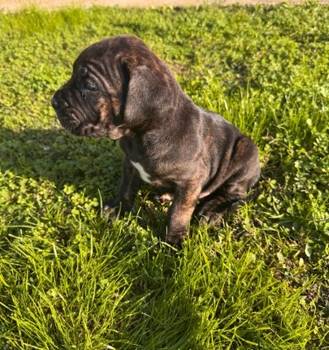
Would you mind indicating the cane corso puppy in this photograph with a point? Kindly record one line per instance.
(121, 90)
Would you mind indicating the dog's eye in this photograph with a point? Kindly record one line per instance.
(90, 85)
(83, 71)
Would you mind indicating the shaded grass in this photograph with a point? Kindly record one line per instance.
(68, 279)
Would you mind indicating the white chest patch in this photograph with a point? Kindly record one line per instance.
(142, 173)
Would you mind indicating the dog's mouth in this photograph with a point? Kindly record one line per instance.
(81, 122)
(74, 125)
(73, 114)
(77, 123)
(69, 121)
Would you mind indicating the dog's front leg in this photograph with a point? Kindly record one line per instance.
(129, 186)
(185, 199)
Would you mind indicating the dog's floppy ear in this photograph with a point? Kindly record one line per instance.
(145, 92)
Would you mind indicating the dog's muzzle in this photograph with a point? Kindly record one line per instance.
(72, 120)
(65, 113)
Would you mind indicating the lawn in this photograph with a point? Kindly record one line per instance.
(69, 279)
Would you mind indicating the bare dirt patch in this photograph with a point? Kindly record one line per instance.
(10, 5)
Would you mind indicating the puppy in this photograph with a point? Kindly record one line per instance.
(120, 89)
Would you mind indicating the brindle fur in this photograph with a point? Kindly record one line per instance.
(199, 157)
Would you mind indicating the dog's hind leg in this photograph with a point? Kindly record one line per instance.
(227, 198)
(212, 211)
(234, 190)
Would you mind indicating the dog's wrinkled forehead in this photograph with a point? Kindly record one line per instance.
(107, 50)
(93, 52)
(103, 60)
(97, 62)
(92, 56)
(110, 52)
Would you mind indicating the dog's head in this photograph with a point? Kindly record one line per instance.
(117, 86)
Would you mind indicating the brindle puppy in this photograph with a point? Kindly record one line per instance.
(120, 89)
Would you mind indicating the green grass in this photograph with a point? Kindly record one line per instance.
(71, 280)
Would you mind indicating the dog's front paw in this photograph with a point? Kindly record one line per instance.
(116, 208)
(176, 238)
(111, 208)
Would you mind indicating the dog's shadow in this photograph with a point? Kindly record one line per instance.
(91, 165)
(55, 155)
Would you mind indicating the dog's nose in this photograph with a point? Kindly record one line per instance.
(58, 101)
